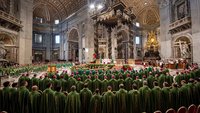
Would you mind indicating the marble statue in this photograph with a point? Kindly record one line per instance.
(2, 50)
(185, 52)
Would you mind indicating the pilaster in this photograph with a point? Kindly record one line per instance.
(25, 35)
(195, 14)
(165, 37)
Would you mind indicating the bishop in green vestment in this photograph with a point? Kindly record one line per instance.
(23, 94)
(145, 94)
(47, 100)
(165, 104)
(34, 100)
(59, 100)
(73, 102)
(134, 100)
(121, 99)
(13, 97)
(6, 96)
(109, 101)
(156, 97)
(85, 96)
(174, 96)
(96, 103)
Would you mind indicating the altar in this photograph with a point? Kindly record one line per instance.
(106, 61)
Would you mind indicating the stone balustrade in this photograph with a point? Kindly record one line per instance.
(180, 22)
(10, 18)
(180, 25)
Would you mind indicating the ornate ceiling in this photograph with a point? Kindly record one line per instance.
(146, 11)
(51, 10)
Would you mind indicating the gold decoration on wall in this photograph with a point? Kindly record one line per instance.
(152, 42)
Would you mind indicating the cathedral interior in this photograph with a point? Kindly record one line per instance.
(130, 56)
(125, 31)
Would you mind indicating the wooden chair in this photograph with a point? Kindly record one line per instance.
(198, 109)
(158, 111)
(192, 108)
(170, 111)
(182, 109)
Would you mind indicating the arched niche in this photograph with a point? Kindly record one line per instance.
(182, 47)
(8, 41)
(73, 45)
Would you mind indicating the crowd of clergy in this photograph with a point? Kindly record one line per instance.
(103, 91)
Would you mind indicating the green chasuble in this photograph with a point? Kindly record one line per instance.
(169, 79)
(59, 102)
(165, 103)
(134, 101)
(85, 96)
(156, 98)
(104, 86)
(34, 81)
(23, 94)
(109, 102)
(73, 103)
(150, 80)
(47, 101)
(197, 87)
(120, 81)
(63, 84)
(145, 94)
(13, 97)
(96, 104)
(89, 82)
(139, 83)
(184, 96)
(174, 97)
(45, 81)
(71, 81)
(113, 83)
(6, 99)
(128, 83)
(161, 80)
(121, 101)
(1, 100)
(21, 79)
(96, 84)
(56, 83)
(79, 86)
(34, 102)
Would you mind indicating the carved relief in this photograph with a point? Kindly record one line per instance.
(3, 51)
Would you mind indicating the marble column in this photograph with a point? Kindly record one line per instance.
(25, 35)
(195, 14)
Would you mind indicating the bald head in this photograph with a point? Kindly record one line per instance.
(73, 88)
(34, 88)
